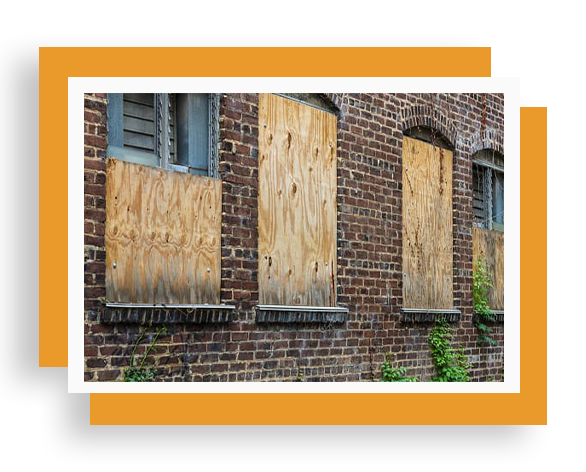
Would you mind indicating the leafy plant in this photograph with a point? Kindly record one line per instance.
(481, 283)
(394, 374)
(450, 364)
(140, 373)
(300, 375)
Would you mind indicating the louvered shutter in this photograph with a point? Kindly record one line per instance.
(139, 121)
(478, 188)
(132, 128)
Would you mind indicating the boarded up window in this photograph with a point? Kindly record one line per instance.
(491, 245)
(427, 226)
(297, 203)
(162, 235)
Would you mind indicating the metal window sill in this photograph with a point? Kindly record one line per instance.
(429, 315)
(300, 314)
(166, 313)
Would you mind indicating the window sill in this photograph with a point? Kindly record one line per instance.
(172, 313)
(499, 317)
(300, 314)
(496, 227)
(425, 315)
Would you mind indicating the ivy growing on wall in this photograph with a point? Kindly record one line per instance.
(481, 283)
(450, 363)
(138, 372)
(394, 374)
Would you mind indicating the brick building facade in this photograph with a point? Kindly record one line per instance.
(242, 346)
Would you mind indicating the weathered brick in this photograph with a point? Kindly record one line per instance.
(370, 284)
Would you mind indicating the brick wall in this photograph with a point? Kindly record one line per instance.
(95, 142)
(370, 130)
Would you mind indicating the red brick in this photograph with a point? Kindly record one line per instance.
(369, 262)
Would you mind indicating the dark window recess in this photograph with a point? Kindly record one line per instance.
(429, 135)
(488, 186)
(316, 100)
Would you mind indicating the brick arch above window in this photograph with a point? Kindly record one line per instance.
(489, 138)
(337, 100)
(429, 117)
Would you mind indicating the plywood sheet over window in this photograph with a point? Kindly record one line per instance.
(427, 226)
(297, 203)
(162, 235)
(491, 245)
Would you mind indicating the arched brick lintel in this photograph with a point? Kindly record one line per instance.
(490, 138)
(429, 117)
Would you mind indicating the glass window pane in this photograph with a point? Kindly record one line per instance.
(498, 197)
(192, 131)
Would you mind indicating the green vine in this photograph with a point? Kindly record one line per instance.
(300, 375)
(394, 374)
(140, 373)
(450, 364)
(481, 283)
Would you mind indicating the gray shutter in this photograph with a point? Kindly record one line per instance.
(132, 128)
(172, 128)
(478, 189)
(139, 121)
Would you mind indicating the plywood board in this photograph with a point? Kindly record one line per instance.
(427, 226)
(163, 232)
(491, 245)
(297, 203)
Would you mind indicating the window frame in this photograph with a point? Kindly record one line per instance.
(162, 135)
(488, 171)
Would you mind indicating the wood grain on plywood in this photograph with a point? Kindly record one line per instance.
(162, 235)
(491, 245)
(297, 203)
(427, 226)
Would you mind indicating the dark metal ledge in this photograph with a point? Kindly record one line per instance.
(499, 316)
(300, 314)
(172, 313)
(424, 315)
